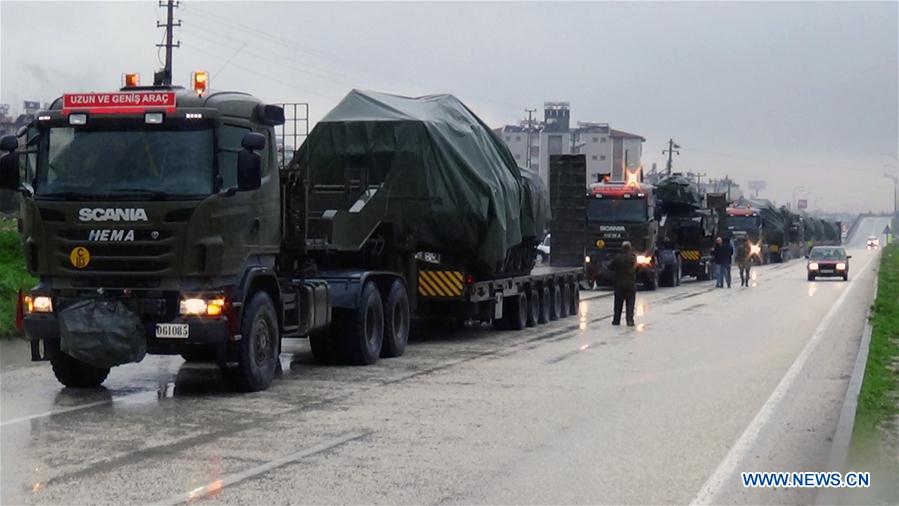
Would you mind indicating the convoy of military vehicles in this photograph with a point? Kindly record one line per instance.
(159, 220)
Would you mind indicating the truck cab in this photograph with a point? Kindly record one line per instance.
(744, 223)
(151, 217)
(618, 212)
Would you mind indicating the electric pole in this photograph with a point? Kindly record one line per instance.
(530, 129)
(163, 77)
(673, 148)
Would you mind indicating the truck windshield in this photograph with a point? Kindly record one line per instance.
(742, 222)
(138, 162)
(616, 210)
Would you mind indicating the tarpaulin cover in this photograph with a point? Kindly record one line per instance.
(678, 193)
(453, 185)
(102, 333)
(773, 222)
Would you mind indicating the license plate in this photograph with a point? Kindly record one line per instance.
(827, 271)
(172, 330)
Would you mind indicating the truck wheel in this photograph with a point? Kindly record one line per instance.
(257, 350)
(396, 321)
(533, 307)
(75, 373)
(555, 309)
(545, 305)
(566, 300)
(575, 299)
(361, 333)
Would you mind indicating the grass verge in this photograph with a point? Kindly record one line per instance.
(875, 439)
(13, 275)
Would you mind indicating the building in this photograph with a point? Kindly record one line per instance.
(608, 151)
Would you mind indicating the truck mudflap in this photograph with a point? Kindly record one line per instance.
(440, 283)
(101, 333)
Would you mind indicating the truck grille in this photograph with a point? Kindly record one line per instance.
(143, 255)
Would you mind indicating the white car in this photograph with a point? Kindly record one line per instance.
(543, 250)
(873, 242)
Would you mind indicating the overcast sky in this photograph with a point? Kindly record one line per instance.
(797, 94)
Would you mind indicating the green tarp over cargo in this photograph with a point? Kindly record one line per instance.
(677, 193)
(451, 183)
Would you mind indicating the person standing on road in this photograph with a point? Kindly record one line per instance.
(723, 255)
(743, 257)
(624, 283)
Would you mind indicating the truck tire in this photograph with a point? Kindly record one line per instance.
(555, 308)
(533, 307)
(545, 305)
(397, 319)
(75, 373)
(516, 313)
(258, 349)
(575, 299)
(360, 334)
(566, 300)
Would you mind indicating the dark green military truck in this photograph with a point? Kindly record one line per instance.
(159, 220)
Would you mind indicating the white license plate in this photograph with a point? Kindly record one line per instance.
(172, 330)
(827, 271)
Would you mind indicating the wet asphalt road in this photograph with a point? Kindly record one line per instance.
(575, 411)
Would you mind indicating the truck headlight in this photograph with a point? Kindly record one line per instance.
(587, 259)
(643, 260)
(813, 266)
(841, 266)
(38, 304)
(197, 306)
(755, 249)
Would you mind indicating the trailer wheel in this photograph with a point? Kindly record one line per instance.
(555, 309)
(75, 373)
(545, 305)
(566, 299)
(575, 298)
(361, 333)
(533, 307)
(516, 312)
(257, 351)
(396, 321)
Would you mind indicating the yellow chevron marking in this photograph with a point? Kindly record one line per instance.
(440, 283)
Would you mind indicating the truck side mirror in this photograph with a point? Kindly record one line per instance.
(249, 163)
(9, 163)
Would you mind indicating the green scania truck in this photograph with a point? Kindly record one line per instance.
(159, 220)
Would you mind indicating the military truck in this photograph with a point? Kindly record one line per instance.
(158, 221)
(744, 223)
(618, 212)
(671, 238)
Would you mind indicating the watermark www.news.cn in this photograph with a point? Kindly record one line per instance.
(806, 480)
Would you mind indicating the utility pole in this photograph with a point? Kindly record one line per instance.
(530, 129)
(163, 77)
(672, 149)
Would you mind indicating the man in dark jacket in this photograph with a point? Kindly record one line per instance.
(624, 280)
(723, 256)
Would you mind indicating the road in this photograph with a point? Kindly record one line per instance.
(711, 382)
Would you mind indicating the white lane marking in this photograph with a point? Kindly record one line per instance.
(216, 486)
(150, 395)
(718, 480)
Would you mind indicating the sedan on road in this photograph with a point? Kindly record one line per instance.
(873, 242)
(828, 261)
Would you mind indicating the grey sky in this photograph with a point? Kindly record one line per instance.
(793, 93)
